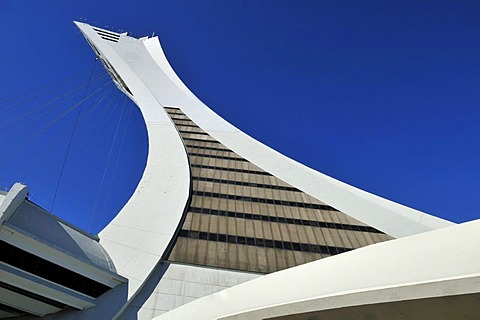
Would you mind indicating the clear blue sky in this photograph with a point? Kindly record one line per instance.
(380, 94)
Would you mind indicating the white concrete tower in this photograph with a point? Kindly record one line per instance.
(216, 208)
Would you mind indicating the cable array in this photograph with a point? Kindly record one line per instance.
(65, 141)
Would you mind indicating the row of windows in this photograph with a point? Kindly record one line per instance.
(302, 222)
(217, 157)
(173, 111)
(186, 125)
(247, 184)
(263, 200)
(253, 192)
(195, 132)
(263, 180)
(200, 140)
(262, 173)
(189, 127)
(178, 116)
(107, 33)
(203, 137)
(109, 39)
(209, 148)
(260, 242)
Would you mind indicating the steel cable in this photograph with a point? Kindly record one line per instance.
(42, 106)
(92, 142)
(73, 134)
(56, 143)
(45, 86)
(107, 164)
(51, 123)
(116, 162)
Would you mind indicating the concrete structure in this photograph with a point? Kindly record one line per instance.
(46, 264)
(223, 227)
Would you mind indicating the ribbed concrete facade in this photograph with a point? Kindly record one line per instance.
(243, 218)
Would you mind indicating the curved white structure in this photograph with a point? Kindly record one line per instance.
(137, 241)
(409, 285)
(219, 219)
(216, 208)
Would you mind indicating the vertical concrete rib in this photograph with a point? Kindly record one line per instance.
(139, 235)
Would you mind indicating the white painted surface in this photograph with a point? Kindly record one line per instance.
(12, 201)
(432, 264)
(140, 233)
(182, 284)
(2, 197)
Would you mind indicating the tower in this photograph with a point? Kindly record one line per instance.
(223, 227)
(219, 203)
